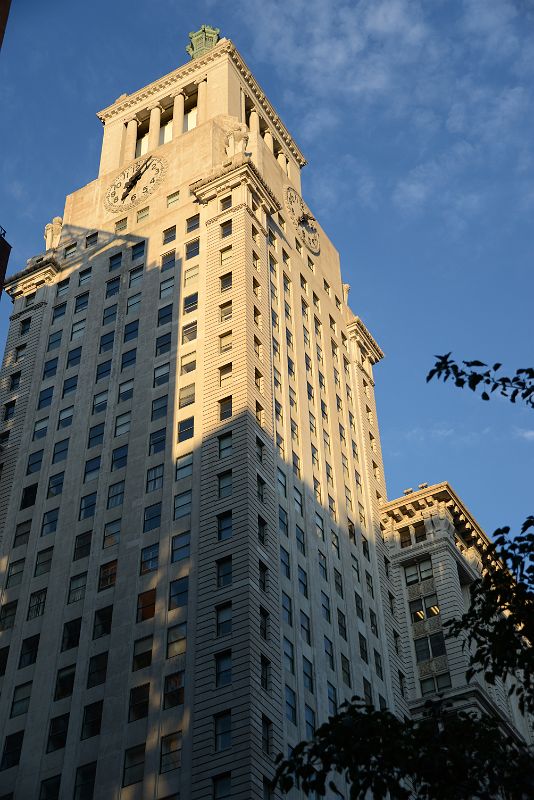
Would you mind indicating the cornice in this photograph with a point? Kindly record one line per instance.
(239, 164)
(404, 509)
(25, 281)
(176, 81)
(358, 328)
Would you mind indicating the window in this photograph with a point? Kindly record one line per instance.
(186, 396)
(96, 435)
(223, 668)
(112, 533)
(125, 391)
(305, 627)
(424, 608)
(192, 249)
(225, 408)
(131, 331)
(178, 592)
(169, 234)
(29, 494)
(374, 622)
(182, 504)
(128, 359)
(161, 375)
(77, 588)
(102, 622)
(146, 605)
(225, 342)
(223, 730)
(345, 670)
(223, 615)
(189, 332)
(225, 282)
(191, 303)
(332, 699)
(57, 733)
(186, 429)
(82, 545)
(421, 571)
(134, 765)
(180, 546)
(43, 561)
(430, 647)
(154, 478)
(49, 524)
(71, 634)
(159, 408)
(166, 289)
(70, 384)
(77, 330)
(40, 429)
(224, 521)
(171, 752)
(222, 787)
(176, 640)
(156, 442)
(165, 315)
(81, 302)
(224, 572)
(45, 399)
(139, 699)
(28, 651)
(65, 682)
(190, 276)
(133, 302)
(173, 689)
(109, 315)
(92, 719)
(192, 223)
(289, 656)
(225, 445)
(152, 517)
(149, 559)
(184, 466)
(168, 261)
(325, 607)
(7, 615)
(115, 494)
(21, 699)
(303, 582)
(329, 652)
(291, 705)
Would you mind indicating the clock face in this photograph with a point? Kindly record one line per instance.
(302, 220)
(134, 184)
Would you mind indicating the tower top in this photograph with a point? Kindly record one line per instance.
(202, 40)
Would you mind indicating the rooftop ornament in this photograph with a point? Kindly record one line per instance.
(202, 41)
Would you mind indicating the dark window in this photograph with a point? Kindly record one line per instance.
(109, 315)
(223, 668)
(138, 249)
(159, 407)
(180, 546)
(134, 761)
(115, 261)
(178, 592)
(12, 750)
(25, 326)
(71, 634)
(92, 719)
(165, 315)
(119, 457)
(192, 223)
(70, 384)
(54, 340)
(152, 517)
(45, 397)
(173, 690)
(81, 302)
(186, 429)
(224, 572)
(74, 357)
(28, 651)
(29, 494)
(85, 782)
(146, 605)
(131, 331)
(57, 733)
(106, 342)
(60, 451)
(96, 673)
(102, 622)
(157, 442)
(50, 519)
(96, 435)
(139, 699)
(107, 576)
(43, 561)
(50, 368)
(190, 303)
(149, 559)
(142, 653)
(163, 344)
(176, 640)
(34, 462)
(128, 359)
(50, 788)
(87, 506)
(192, 249)
(65, 682)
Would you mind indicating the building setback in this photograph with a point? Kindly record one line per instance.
(199, 560)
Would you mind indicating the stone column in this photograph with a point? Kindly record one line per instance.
(282, 161)
(154, 126)
(268, 139)
(254, 121)
(131, 139)
(243, 107)
(202, 99)
(48, 236)
(178, 115)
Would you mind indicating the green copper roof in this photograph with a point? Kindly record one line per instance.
(202, 41)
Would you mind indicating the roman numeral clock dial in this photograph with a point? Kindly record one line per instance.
(134, 184)
(303, 220)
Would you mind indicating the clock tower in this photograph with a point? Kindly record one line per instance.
(196, 571)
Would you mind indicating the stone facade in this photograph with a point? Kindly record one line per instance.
(198, 562)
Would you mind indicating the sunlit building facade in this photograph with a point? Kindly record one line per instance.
(199, 561)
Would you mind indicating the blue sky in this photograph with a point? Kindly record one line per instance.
(416, 119)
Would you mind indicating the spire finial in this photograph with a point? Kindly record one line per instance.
(202, 40)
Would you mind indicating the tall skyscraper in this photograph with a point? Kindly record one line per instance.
(199, 560)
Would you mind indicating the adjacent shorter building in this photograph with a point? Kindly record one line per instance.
(199, 563)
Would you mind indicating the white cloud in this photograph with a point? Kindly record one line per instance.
(525, 433)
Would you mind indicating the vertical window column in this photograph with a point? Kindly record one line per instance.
(178, 114)
(154, 126)
(130, 140)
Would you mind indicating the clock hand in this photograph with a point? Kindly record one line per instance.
(130, 183)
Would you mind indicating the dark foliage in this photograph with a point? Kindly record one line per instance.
(477, 375)
(442, 757)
